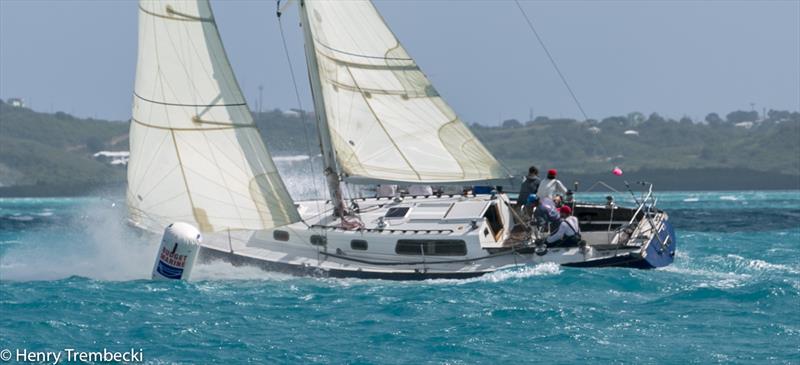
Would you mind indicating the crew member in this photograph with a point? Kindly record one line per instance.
(568, 233)
(529, 186)
(546, 214)
(551, 186)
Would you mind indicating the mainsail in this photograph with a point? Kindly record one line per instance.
(385, 119)
(196, 155)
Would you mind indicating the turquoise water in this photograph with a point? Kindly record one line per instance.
(73, 276)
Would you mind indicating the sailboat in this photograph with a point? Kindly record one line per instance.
(197, 157)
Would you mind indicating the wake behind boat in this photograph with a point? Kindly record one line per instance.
(197, 157)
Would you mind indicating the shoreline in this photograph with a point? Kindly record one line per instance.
(716, 179)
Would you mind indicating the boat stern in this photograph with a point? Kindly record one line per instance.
(660, 251)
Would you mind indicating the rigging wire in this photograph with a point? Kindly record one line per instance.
(300, 105)
(550, 57)
(558, 71)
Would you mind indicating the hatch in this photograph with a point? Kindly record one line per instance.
(429, 211)
(467, 210)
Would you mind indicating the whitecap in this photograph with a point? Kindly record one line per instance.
(544, 269)
(761, 265)
(729, 198)
(717, 279)
(519, 272)
(691, 199)
(222, 270)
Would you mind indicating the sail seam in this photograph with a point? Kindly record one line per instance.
(341, 85)
(186, 17)
(411, 66)
(179, 55)
(461, 148)
(233, 83)
(380, 122)
(226, 126)
(185, 181)
(211, 147)
(138, 165)
(156, 185)
(164, 201)
(360, 55)
(187, 105)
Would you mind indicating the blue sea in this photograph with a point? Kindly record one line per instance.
(72, 275)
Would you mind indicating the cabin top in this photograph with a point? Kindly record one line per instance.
(447, 214)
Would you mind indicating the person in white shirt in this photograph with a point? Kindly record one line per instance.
(551, 186)
(568, 233)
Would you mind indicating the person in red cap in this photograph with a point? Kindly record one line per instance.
(569, 231)
(551, 186)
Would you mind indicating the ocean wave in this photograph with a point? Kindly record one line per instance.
(733, 220)
(516, 273)
(728, 271)
(222, 270)
(760, 266)
(523, 272)
(544, 269)
(107, 250)
(710, 278)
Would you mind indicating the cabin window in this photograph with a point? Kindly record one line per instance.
(279, 235)
(318, 240)
(431, 247)
(397, 212)
(360, 245)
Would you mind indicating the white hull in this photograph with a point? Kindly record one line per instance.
(374, 250)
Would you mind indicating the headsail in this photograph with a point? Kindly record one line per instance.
(386, 120)
(196, 155)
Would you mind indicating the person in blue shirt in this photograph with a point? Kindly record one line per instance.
(545, 213)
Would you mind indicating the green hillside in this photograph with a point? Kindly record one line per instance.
(53, 151)
(589, 147)
(51, 154)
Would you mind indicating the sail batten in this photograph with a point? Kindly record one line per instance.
(386, 120)
(196, 154)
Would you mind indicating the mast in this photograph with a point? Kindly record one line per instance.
(331, 169)
(380, 118)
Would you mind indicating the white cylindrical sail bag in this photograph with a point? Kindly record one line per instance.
(177, 253)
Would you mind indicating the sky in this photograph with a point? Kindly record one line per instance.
(677, 58)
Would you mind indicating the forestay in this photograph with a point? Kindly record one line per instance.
(386, 120)
(196, 155)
